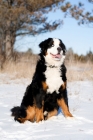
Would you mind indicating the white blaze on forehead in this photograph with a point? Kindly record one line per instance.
(53, 49)
(56, 42)
(53, 75)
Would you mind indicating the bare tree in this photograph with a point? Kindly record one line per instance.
(22, 17)
(79, 13)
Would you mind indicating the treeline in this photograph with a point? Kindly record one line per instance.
(71, 56)
(30, 17)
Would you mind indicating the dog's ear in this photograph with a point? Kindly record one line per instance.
(44, 45)
(63, 47)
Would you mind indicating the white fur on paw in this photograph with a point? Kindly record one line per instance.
(45, 113)
(70, 118)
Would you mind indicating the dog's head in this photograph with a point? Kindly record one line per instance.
(53, 50)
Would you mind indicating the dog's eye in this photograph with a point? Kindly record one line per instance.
(52, 46)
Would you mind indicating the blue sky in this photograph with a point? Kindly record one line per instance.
(79, 38)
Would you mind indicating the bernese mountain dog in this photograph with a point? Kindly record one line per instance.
(47, 91)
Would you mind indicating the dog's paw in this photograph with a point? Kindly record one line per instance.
(45, 115)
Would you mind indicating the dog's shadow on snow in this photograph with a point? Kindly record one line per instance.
(59, 111)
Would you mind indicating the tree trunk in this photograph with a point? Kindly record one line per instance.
(8, 47)
(8, 42)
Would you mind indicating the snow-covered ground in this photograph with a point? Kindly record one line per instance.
(80, 96)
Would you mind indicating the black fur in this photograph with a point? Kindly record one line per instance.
(18, 112)
(50, 102)
(35, 94)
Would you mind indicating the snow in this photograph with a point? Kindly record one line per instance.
(80, 95)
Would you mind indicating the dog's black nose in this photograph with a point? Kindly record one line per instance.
(59, 49)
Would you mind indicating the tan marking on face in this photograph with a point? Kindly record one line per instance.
(64, 108)
(64, 85)
(46, 53)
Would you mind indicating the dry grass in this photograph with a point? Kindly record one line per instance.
(19, 70)
(79, 71)
(24, 67)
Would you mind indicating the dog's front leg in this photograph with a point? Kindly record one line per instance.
(63, 101)
(39, 107)
(64, 107)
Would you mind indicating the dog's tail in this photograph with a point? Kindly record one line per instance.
(19, 113)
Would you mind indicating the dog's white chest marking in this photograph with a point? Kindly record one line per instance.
(53, 79)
